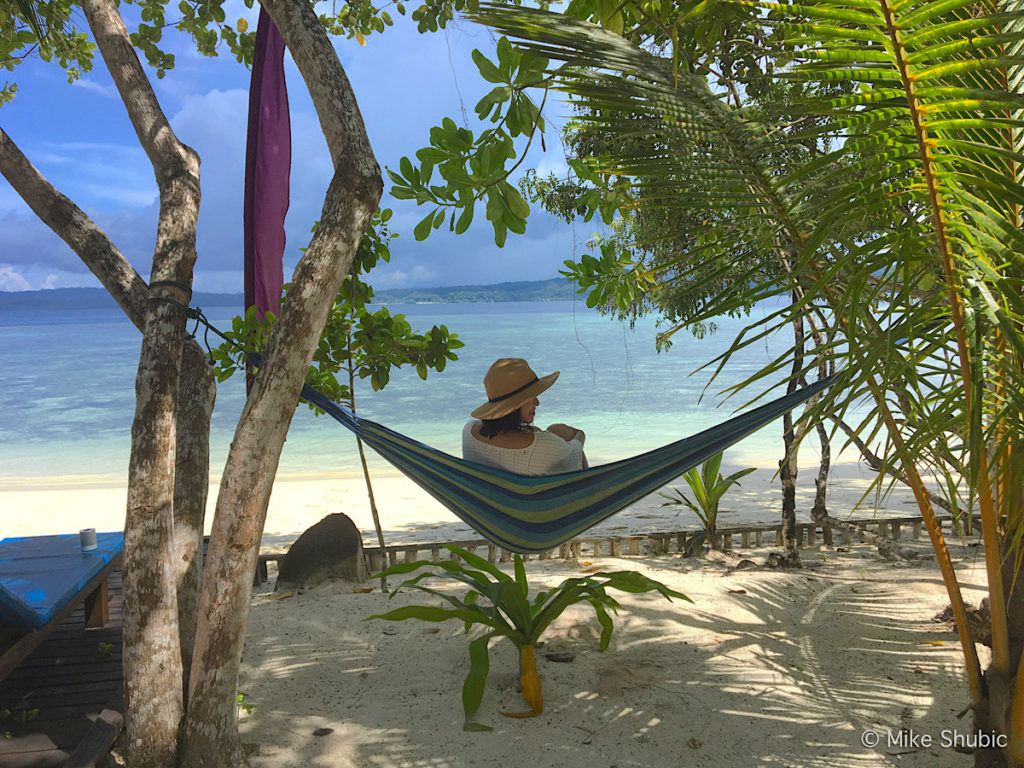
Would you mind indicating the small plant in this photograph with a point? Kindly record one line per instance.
(105, 649)
(510, 613)
(242, 703)
(708, 487)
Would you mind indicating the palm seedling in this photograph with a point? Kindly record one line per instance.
(501, 604)
(708, 486)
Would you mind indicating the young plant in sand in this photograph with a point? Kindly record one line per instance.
(708, 487)
(511, 614)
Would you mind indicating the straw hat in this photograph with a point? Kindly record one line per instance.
(510, 382)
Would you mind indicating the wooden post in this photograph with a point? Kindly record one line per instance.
(576, 548)
(506, 556)
(778, 537)
(758, 538)
(411, 553)
(376, 564)
(597, 547)
(727, 542)
(681, 542)
(616, 547)
(435, 552)
(492, 553)
(916, 528)
(895, 527)
(634, 545)
(96, 607)
(745, 539)
(812, 534)
(565, 551)
(392, 557)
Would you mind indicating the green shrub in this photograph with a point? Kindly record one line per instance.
(507, 611)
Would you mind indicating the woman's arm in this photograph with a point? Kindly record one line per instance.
(567, 433)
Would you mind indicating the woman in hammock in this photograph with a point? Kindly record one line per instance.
(502, 435)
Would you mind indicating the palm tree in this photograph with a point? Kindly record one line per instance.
(904, 237)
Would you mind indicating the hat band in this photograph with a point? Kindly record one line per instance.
(514, 392)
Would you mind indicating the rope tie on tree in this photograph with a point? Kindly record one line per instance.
(171, 292)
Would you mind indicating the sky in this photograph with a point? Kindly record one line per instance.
(80, 138)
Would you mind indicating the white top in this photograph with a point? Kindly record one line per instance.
(548, 454)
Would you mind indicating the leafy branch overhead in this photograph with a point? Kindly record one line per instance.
(374, 340)
(477, 167)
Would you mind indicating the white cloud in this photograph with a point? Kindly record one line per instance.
(12, 281)
(106, 91)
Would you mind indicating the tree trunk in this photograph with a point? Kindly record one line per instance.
(211, 736)
(788, 465)
(154, 706)
(197, 393)
(819, 512)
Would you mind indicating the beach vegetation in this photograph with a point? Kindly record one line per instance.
(707, 486)
(870, 190)
(501, 605)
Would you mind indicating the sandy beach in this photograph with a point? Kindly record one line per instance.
(39, 506)
(764, 668)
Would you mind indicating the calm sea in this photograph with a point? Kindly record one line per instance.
(67, 389)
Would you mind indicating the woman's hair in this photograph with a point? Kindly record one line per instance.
(510, 422)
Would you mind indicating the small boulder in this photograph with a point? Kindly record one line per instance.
(332, 550)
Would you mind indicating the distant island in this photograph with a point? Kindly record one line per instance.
(555, 289)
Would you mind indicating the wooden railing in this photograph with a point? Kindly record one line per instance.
(632, 545)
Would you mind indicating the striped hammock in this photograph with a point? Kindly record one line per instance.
(536, 514)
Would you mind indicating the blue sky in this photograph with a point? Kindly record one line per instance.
(405, 82)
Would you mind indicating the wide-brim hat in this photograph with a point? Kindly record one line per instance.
(510, 382)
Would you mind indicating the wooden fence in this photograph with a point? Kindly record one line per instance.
(634, 545)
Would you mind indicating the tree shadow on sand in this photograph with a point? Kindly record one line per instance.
(810, 661)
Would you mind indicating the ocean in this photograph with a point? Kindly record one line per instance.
(67, 389)
(67, 400)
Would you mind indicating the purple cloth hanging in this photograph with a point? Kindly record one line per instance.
(268, 159)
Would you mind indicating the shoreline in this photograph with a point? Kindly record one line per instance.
(42, 506)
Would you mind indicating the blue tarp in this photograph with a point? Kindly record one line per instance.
(40, 575)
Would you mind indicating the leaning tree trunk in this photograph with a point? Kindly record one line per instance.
(154, 705)
(211, 735)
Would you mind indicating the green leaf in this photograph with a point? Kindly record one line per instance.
(488, 71)
(422, 230)
(520, 571)
(476, 680)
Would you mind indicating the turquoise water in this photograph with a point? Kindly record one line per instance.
(67, 389)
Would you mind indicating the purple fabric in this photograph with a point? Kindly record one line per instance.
(268, 159)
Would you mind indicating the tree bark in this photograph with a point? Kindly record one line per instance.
(211, 737)
(197, 394)
(788, 465)
(826, 366)
(154, 702)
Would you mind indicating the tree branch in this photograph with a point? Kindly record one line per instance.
(76, 229)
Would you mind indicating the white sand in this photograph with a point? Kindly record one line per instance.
(790, 672)
(37, 506)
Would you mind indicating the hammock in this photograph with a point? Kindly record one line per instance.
(536, 514)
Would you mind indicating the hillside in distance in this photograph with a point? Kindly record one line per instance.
(555, 289)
